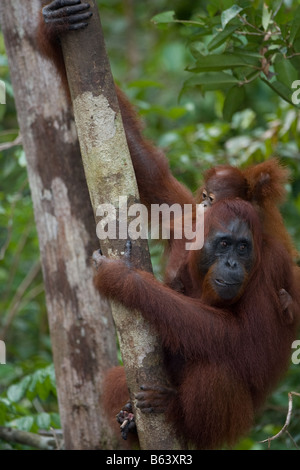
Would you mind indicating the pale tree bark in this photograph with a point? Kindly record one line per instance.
(110, 174)
(81, 326)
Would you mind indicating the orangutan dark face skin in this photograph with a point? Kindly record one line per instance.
(228, 257)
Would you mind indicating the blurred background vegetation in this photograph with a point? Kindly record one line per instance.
(225, 112)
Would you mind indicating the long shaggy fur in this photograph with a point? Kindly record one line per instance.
(223, 361)
(263, 185)
(229, 358)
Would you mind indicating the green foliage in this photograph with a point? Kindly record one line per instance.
(241, 44)
(213, 82)
(23, 404)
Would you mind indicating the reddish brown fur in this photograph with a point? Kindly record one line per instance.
(266, 191)
(228, 358)
(266, 182)
(223, 361)
(263, 185)
(225, 182)
(116, 392)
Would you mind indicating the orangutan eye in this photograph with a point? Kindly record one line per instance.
(204, 195)
(243, 247)
(211, 198)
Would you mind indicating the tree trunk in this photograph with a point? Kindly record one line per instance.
(109, 173)
(81, 326)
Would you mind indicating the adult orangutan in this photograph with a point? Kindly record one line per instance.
(226, 333)
(227, 343)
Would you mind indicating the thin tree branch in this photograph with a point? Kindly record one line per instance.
(287, 421)
(9, 145)
(16, 301)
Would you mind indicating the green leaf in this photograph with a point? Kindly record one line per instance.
(266, 17)
(229, 14)
(165, 17)
(213, 78)
(297, 45)
(24, 424)
(43, 388)
(17, 391)
(216, 62)
(233, 101)
(281, 89)
(295, 25)
(221, 37)
(55, 420)
(285, 72)
(43, 420)
(198, 48)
